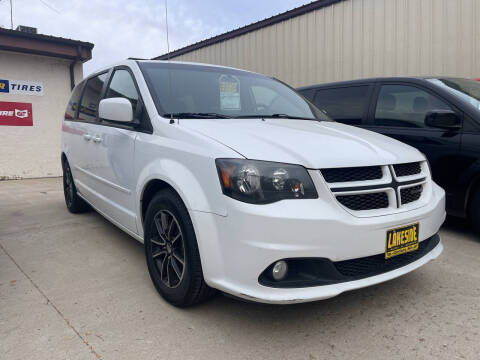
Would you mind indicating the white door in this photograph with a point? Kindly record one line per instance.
(78, 135)
(113, 145)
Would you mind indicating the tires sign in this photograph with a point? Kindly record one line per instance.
(16, 114)
(21, 87)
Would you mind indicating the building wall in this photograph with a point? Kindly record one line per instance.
(358, 39)
(34, 151)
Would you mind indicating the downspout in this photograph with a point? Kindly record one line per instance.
(72, 67)
(72, 74)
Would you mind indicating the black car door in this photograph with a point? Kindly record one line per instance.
(398, 110)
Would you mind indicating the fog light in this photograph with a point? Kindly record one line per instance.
(279, 270)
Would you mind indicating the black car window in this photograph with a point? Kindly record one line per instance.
(72, 105)
(91, 98)
(346, 104)
(405, 106)
(122, 85)
(308, 93)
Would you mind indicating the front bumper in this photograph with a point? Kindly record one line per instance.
(237, 248)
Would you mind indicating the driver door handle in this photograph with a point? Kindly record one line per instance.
(97, 139)
(87, 137)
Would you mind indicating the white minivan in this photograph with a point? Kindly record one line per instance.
(236, 182)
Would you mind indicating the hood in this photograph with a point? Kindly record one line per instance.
(313, 144)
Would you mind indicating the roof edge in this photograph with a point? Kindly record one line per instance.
(48, 38)
(249, 28)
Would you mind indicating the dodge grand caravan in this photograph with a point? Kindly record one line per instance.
(233, 181)
(438, 116)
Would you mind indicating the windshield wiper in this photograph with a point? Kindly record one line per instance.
(286, 116)
(276, 116)
(196, 115)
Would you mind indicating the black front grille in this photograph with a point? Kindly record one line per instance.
(411, 194)
(407, 169)
(377, 264)
(364, 201)
(352, 174)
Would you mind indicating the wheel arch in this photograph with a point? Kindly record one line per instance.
(151, 188)
(194, 184)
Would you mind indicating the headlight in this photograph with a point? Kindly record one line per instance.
(262, 182)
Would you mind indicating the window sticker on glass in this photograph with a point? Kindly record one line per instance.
(229, 92)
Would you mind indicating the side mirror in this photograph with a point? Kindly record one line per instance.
(116, 109)
(443, 119)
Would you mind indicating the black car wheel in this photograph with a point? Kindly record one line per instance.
(171, 251)
(74, 203)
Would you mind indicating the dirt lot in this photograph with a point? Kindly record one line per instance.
(76, 287)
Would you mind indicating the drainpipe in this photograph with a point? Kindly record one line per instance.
(72, 66)
(72, 74)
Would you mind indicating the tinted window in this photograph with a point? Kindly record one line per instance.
(309, 94)
(405, 106)
(122, 85)
(346, 104)
(91, 98)
(184, 89)
(72, 105)
(465, 89)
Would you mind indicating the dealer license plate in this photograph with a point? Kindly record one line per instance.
(401, 240)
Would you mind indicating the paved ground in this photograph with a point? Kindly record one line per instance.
(76, 287)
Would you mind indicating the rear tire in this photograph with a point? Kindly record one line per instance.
(74, 203)
(171, 252)
(474, 211)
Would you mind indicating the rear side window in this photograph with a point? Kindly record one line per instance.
(72, 105)
(122, 85)
(346, 105)
(405, 106)
(91, 98)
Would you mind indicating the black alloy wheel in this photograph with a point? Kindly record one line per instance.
(168, 248)
(75, 204)
(68, 185)
(171, 251)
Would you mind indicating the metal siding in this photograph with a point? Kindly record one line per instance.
(313, 33)
(347, 41)
(390, 53)
(359, 38)
(329, 47)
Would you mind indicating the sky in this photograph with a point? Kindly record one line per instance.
(136, 28)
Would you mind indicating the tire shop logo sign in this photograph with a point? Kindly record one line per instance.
(16, 114)
(21, 87)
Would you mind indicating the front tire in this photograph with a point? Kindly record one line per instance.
(74, 203)
(171, 251)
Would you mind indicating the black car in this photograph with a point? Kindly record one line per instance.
(439, 116)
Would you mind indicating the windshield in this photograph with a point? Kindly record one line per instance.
(194, 91)
(468, 90)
